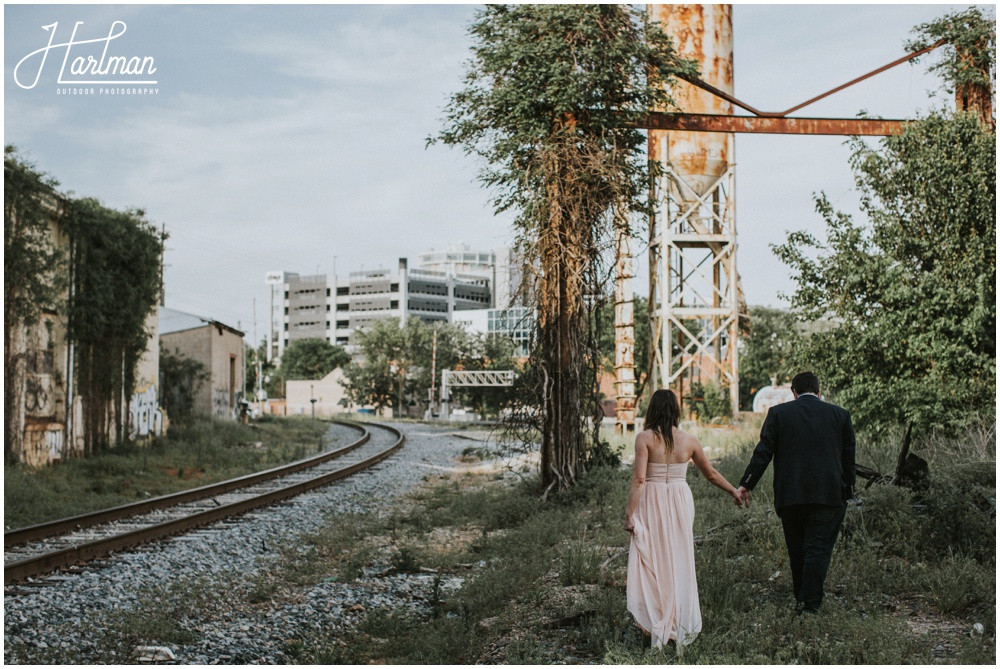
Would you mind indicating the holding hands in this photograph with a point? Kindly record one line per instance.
(741, 497)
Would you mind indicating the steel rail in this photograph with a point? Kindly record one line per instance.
(34, 566)
(42, 530)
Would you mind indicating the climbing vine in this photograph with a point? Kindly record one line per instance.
(30, 205)
(969, 61)
(33, 275)
(115, 257)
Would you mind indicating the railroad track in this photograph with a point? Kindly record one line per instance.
(39, 549)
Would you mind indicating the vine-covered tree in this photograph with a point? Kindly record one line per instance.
(915, 292)
(31, 207)
(552, 98)
(113, 280)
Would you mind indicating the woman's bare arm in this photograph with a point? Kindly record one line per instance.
(638, 478)
(711, 475)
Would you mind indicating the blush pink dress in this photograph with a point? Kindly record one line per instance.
(662, 591)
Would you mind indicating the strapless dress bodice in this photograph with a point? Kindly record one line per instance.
(657, 472)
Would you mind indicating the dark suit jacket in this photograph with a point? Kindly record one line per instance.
(812, 444)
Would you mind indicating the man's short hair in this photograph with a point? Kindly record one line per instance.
(805, 382)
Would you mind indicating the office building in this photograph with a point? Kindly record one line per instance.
(319, 306)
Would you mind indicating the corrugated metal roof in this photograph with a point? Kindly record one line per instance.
(172, 320)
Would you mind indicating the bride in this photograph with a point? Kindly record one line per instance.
(662, 591)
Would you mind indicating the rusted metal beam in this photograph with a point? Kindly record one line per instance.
(773, 125)
(695, 81)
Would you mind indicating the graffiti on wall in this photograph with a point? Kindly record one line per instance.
(145, 415)
(36, 395)
(220, 402)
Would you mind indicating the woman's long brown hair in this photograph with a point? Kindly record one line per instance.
(662, 415)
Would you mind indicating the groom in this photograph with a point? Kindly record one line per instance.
(812, 444)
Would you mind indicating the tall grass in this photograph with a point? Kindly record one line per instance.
(200, 452)
(910, 576)
(544, 581)
(718, 440)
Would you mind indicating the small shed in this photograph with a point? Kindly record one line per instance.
(218, 347)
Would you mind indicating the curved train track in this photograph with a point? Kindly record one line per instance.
(39, 549)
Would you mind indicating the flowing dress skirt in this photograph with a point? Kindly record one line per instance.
(662, 591)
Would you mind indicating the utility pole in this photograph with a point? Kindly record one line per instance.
(163, 252)
(256, 353)
(434, 352)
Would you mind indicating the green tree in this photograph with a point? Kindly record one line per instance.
(767, 352)
(379, 379)
(312, 358)
(915, 291)
(552, 99)
(180, 380)
(709, 400)
(396, 364)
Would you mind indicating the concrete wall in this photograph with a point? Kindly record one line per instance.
(328, 392)
(220, 350)
(146, 419)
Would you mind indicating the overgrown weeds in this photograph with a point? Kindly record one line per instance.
(545, 581)
(509, 578)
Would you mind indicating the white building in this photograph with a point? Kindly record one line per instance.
(497, 266)
(319, 306)
(515, 322)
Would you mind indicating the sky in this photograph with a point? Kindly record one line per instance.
(293, 138)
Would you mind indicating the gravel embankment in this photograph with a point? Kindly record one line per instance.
(70, 620)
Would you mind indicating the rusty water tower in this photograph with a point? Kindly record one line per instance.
(695, 296)
(696, 305)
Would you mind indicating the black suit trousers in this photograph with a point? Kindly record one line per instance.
(810, 533)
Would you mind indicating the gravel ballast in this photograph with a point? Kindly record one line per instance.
(70, 618)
